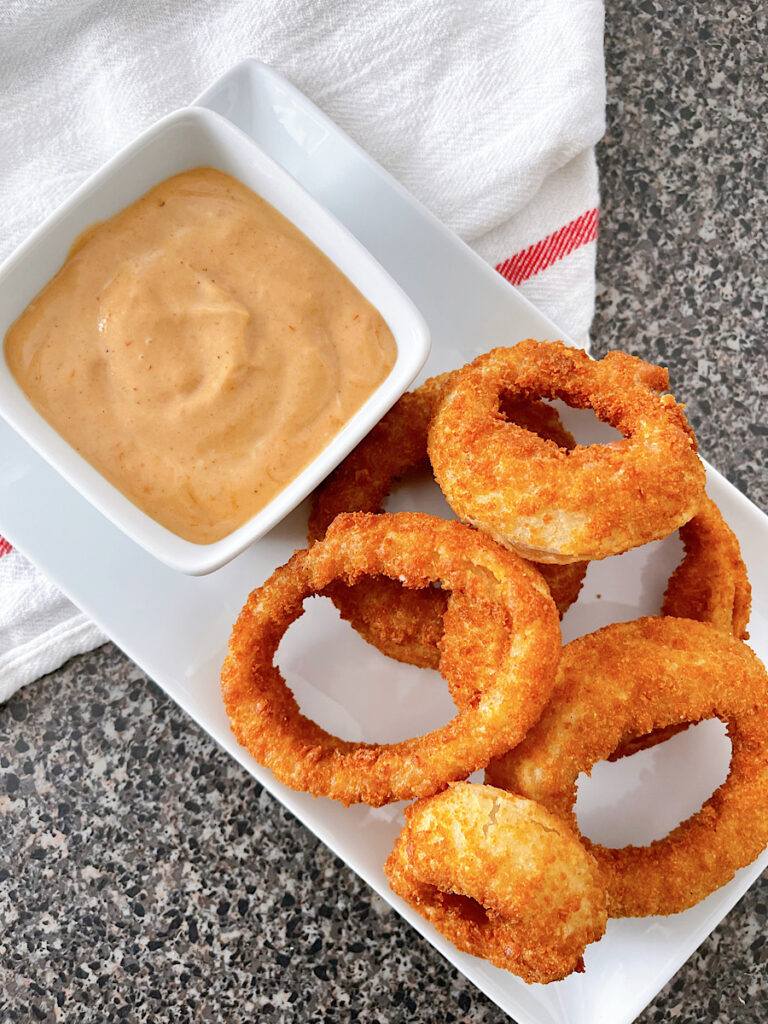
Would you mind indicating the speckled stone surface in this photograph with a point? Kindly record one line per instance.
(145, 876)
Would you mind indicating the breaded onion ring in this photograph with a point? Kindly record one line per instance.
(557, 506)
(501, 878)
(408, 624)
(501, 596)
(626, 680)
(709, 585)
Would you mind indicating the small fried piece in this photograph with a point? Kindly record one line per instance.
(408, 625)
(626, 680)
(503, 606)
(554, 505)
(501, 878)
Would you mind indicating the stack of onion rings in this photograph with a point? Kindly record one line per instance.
(553, 505)
(500, 596)
(626, 680)
(407, 625)
(501, 878)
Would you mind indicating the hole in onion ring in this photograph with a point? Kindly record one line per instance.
(360, 695)
(582, 424)
(586, 428)
(417, 491)
(630, 585)
(464, 906)
(643, 797)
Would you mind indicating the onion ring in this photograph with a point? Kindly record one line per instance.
(558, 506)
(709, 585)
(626, 680)
(408, 624)
(500, 596)
(501, 878)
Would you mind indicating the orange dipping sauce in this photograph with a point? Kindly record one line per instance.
(199, 351)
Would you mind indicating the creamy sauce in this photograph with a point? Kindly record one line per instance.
(199, 351)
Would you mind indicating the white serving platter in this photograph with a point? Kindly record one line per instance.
(176, 627)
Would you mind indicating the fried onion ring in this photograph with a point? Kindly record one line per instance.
(709, 585)
(408, 624)
(553, 505)
(626, 680)
(500, 596)
(501, 878)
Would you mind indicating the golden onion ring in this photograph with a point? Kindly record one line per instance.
(501, 878)
(626, 680)
(505, 607)
(709, 585)
(553, 505)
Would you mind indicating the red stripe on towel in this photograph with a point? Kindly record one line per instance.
(549, 250)
(5, 547)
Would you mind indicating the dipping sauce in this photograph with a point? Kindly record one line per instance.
(199, 351)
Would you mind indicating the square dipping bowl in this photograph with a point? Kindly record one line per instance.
(189, 138)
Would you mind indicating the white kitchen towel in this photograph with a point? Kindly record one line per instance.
(39, 628)
(486, 110)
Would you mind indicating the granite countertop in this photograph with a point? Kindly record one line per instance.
(145, 876)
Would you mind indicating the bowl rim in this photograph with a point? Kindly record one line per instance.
(409, 330)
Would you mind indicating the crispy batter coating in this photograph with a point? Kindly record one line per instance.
(408, 625)
(626, 680)
(503, 602)
(501, 878)
(554, 505)
(709, 585)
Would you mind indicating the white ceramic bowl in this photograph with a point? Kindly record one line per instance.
(190, 138)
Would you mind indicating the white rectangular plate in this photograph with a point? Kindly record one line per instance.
(176, 627)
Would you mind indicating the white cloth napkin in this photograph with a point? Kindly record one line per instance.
(39, 628)
(486, 110)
